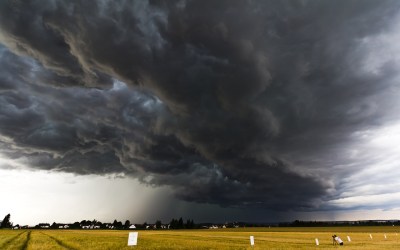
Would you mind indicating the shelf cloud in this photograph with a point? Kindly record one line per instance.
(261, 104)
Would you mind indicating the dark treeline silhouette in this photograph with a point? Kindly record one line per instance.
(189, 224)
(95, 224)
(299, 223)
(178, 224)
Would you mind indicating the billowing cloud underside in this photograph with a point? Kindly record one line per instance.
(236, 103)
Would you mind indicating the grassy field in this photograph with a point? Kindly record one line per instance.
(265, 238)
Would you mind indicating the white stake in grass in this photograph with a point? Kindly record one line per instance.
(370, 236)
(316, 242)
(385, 236)
(252, 240)
(132, 239)
(348, 238)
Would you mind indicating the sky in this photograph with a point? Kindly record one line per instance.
(229, 110)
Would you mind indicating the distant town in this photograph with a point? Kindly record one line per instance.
(188, 224)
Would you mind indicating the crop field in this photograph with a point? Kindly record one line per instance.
(265, 238)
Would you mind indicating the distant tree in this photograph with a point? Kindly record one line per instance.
(189, 224)
(99, 223)
(158, 224)
(173, 224)
(117, 224)
(180, 223)
(6, 222)
(76, 225)
(85, 223)
(127, 224)
(54, 225)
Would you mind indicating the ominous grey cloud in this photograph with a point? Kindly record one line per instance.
(236, 103)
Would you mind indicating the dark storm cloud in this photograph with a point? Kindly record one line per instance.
(237, 103)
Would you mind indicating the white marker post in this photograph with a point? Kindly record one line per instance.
(370, 236)
(385, 236)
(132, 239)
(316, 242)
(252, 240)
(348, 238)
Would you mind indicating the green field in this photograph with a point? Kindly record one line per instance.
(265, 238)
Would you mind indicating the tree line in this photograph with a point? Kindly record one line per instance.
(299, 223)
(95, 224)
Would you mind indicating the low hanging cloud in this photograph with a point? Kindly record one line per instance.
(236, 103)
